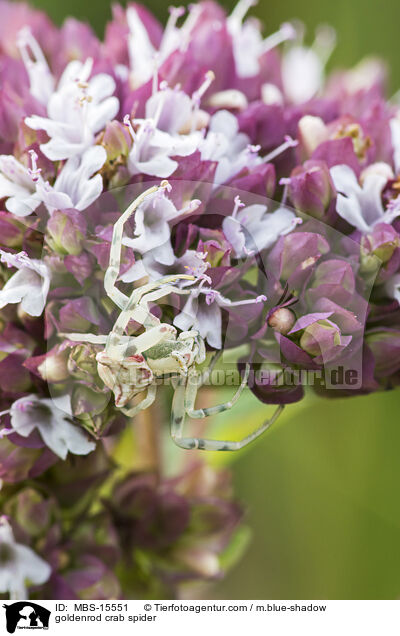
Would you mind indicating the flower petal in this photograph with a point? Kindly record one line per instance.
(33, 568)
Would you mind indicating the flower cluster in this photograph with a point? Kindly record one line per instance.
(282, 208)
(145, 537)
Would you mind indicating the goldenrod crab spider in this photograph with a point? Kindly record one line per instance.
(130, 365)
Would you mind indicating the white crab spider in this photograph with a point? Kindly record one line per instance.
(130, 365)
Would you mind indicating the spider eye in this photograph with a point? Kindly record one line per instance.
(136, 358)
(103, 358)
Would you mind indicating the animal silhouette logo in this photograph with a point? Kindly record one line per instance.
(26, 615)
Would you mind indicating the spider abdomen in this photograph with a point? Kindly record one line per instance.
(164, 349)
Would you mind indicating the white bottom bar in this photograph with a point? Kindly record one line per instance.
(202, 617)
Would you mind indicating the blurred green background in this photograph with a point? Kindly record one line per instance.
(364, 28)
(321, 488)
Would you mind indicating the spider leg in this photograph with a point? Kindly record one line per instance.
(152, 337)
(162, 285)
(181, 361)
(187, 335)
(179, 404)
(142, 313)
(112, 272)
(200, 351)
(139, 298)
(206, 374)
(144, 317)
(143, 404)
(191, 393)
(84, 337)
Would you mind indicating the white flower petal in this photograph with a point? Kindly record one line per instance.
(302, 74)
(17, 186)
(74, 70)
(225, 123)
(76, 113)
(75, 178)
(59, 434)
(30, 286)
(67, 437)
(160, 166)
(233, 231)
(21, 565)
(50, 418)
(54, 436)
(395, 130)
(15, 172)
(34, 568)
(392, 287)
(141, 50)
(23, 206)
(103, 113)
(92, 191)
(92, 160)
(52, 199)
(9, 583)
(101, 86)
(209, 320)
(360, 206)
(173, 109)
(48, 125)
(22, 420)
(60, 148)
(187, 318)
(135, 272)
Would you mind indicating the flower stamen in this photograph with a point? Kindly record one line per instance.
(286, 32)
(288, 143)
(34, 171)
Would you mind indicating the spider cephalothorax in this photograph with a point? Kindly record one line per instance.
(125, 377)
(130, 365)
(127, 374)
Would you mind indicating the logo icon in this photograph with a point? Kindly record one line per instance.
(26, 615)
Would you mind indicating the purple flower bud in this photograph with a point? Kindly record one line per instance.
(18, 463)
(201, 560)
(85, 402)
(385, 347)
(78, 315)
(333, 279)
(295, 255)
(261, 179)
(116, 140)
(15, 347)
(336, 152)
(348, 321)
(268, 390)
(80, 266)
(30, 510)
(382, 242)
(323, 340)
(82, 365)
(282, 320)
(311, 188)
(264, 124)
(146, 515)
(91, 408)
(75, 41)
(11, 230)
(92, 579)
(66, 231)
(52, 366)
